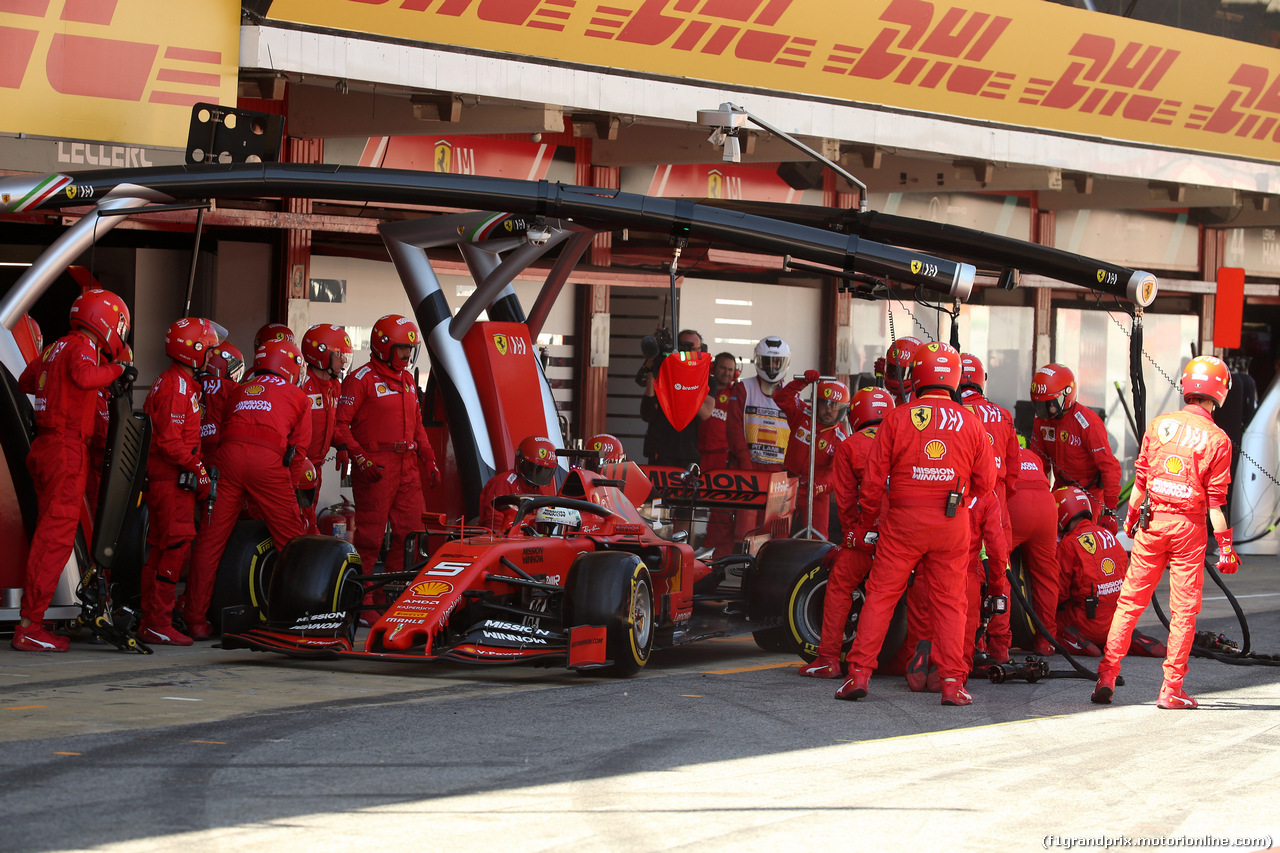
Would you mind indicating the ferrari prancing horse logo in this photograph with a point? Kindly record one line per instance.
(500, 343)
(1167, 430)
(920, 417)
(1088, 542)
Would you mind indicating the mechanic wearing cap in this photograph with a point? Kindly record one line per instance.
(534, 474)
(756, 426)
(327, 351)
(1072, 439)
(379, 430)
(852, 562)
(833, 429)
(1032, 512)
(928, 458)
(258, 459)
(176, 479)
(663, 443)
(1094, 566)
(65, 379)
(1183, 468)
(713, 447)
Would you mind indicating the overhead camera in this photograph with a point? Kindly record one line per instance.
(538, 234)
(728, 139)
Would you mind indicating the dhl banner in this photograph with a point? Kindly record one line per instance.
(1037, 65)
(115, 70)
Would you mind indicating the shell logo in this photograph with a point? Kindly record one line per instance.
(44, 377)
(431, 589)
(1108, 566)
(935, 449)
(1173, 465)
(382, 389)
(254, 390)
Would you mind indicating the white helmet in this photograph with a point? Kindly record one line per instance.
(772, 357)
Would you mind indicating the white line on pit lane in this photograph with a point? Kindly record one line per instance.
(1253, 595)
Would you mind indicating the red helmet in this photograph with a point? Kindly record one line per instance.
(37, 336)
(327, 347)
(104, 315)
(272, 332)
(1206, 376)
(280, 358)
(833, 401)
(536, 460)
(935, 365)
(306, 483)
(897, 364)
(394, 331)
(1053, 391)
(972, 373)
(869, 407)
(609, 448)
(189, 341)
(225, 361)
(1073, 502)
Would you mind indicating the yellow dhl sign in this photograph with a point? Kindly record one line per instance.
(1009, 61)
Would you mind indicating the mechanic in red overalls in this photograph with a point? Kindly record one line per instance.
(1094, 566)
(1183, 468)
(1072, 439)
(1004, 446)
(928, 458)
(534, 474)
(327, 351)
(1032, 511)
(65, 381)
(260, 454)
(379, 428)
(852, 561)
(713, 448)
(223, 371)
(176, 479)
(756, 426)
(833, 405)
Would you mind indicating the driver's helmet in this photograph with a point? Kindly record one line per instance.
(536, 460)
(772, 356)
(556, 520)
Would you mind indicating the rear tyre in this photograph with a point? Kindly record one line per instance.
(786, 582)
(315, 588)
(244, 574)
(613, 590)
(1024, 632)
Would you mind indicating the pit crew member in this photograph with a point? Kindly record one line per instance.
(65, 380)
(1183, 468)
(852, 560)
(1072, 439)
(833, 406)
(222, 374)
(327, 351)
(927, 458)
(713, 447)
(259, 458)
(1032, 512)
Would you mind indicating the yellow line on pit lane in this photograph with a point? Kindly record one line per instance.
(962, 729)
(25, 707)
(750, 668)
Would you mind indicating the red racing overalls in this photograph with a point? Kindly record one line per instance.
(1094, 564)
(796, 461)
(851, 563)
(1035, 530)
(1078, 451)
(323, 393)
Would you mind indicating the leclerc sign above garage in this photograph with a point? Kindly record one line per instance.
(1036, 65)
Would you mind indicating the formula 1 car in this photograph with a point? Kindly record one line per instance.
(579, 579)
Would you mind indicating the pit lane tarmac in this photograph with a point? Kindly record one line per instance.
(716, 746)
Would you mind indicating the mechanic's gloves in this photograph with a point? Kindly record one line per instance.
(365, 469)
(879, 368)
(124, 381)
(429, 470)
(1108, 521)
(1131, 520)
(811, 376)
(342, 464)
(862, 537)
(1228, 559)
(128, 374)
(204, 483)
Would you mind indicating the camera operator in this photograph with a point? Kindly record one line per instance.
(663, 443)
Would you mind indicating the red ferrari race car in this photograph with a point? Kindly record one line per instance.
(580, 580)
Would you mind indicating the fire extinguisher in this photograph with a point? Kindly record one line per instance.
(339, 520)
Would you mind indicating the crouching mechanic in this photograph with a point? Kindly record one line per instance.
(1183, 467)
(534, 474)
(852, 562)
(830, 433)
(176, 479)
(65, 380)
(927, 458)
(379, 430)
(259, 457)
(1094, 566)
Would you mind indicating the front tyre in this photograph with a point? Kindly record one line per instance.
(315, 588)
(613, 590)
